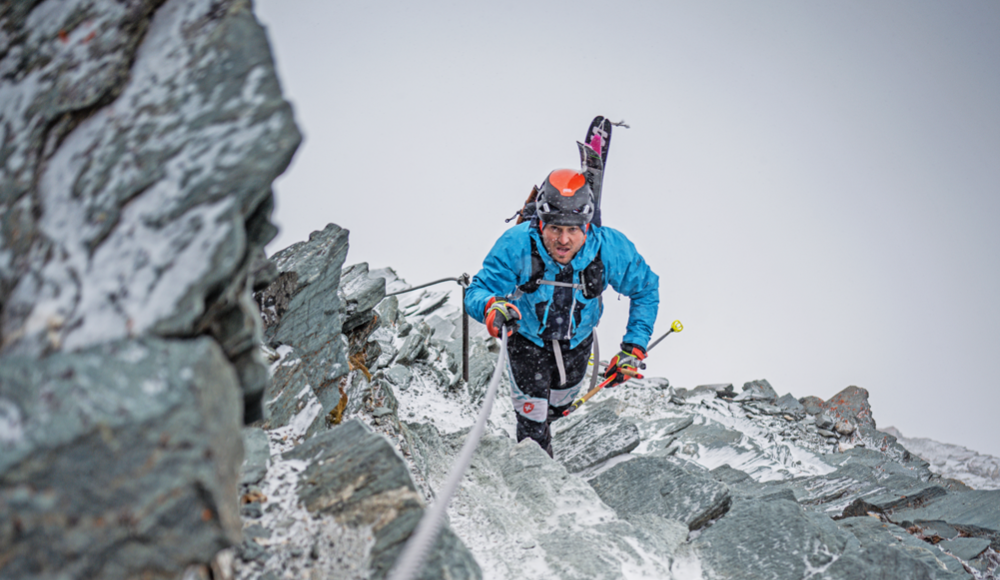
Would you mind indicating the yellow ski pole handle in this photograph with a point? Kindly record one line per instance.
(676, 326)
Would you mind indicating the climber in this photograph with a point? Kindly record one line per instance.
(548, 302)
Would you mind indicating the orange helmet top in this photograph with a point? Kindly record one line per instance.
(565, 199)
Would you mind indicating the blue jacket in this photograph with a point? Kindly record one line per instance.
(508, 265)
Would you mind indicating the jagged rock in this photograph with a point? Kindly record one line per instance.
(790, 404)
(482, 361)
(387, 348)
(896, 493)
(724, 390)
(256, 453)
(729, 475)
(760, 390)
(400, 376)
(661, 430)
(915, 553)
(356, 476)
(553, 522)
(955, 462)
(597, 436)
(977, 512)
(861, 474)
(154, 196)
(965, 548)
(813, 405)
(411, 350)
(361, 292)
(311, 326)
(824, 421)
(442, 328)
(709, 437)
(844, 428)
(106, 459)
(851, 405)
(655, 485)
(388, 308)
(776, 540)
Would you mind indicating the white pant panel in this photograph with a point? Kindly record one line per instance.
(533, 408)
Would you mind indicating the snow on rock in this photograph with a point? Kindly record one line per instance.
(977, 470)
(649, 481)
(140, 141)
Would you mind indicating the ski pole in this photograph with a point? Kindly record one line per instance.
(675, 327)
(576, 404)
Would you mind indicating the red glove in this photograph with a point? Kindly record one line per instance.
(625, 364)
(500, 314)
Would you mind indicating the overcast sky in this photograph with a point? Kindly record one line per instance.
(817, 184)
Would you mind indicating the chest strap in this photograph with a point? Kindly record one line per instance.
(591, 278)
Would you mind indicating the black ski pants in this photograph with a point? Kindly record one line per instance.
(539, 395)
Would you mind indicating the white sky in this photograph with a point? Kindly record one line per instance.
(816, 183)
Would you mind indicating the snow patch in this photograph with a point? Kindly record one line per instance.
(11, 423)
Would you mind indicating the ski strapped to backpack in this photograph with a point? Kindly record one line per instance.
(593, 159)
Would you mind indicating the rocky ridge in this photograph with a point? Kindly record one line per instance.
(649, 480)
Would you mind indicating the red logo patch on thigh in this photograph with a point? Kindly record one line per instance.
(528, 408)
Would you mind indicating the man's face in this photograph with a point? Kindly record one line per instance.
(563, 242)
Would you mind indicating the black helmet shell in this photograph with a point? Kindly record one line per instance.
(565, 199)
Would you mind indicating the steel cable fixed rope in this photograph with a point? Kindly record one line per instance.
(411, 559)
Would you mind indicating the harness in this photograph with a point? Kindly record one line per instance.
(591, 284)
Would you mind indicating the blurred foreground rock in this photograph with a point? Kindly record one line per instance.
(140, 143)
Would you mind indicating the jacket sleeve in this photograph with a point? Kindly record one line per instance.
(632, 277)
(499, 274)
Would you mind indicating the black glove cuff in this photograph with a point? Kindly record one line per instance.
(628, 346)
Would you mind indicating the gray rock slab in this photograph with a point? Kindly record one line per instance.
(356, 476)
(400, 376)
(598, 436)
(361, 293)
(155, 190)
(120, 460)
(441, 328)
(388, 309)
(978, 509)
(655, 485)
(662, 428)
(711, 435)
(310, 323)
(774, 540)
(729, 475)
(870, 531)
(718, 389)
(851, 405)
(812, 405)
(965, 548)
(541, 521)
(256, 453)
(759, 390)
(412, 349)
(791, 405)
(861, 475)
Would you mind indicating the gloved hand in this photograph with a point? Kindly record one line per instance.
(625, 364)
(500, 314)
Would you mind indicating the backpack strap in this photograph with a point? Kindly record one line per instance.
(591, 279)
(537, 271)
